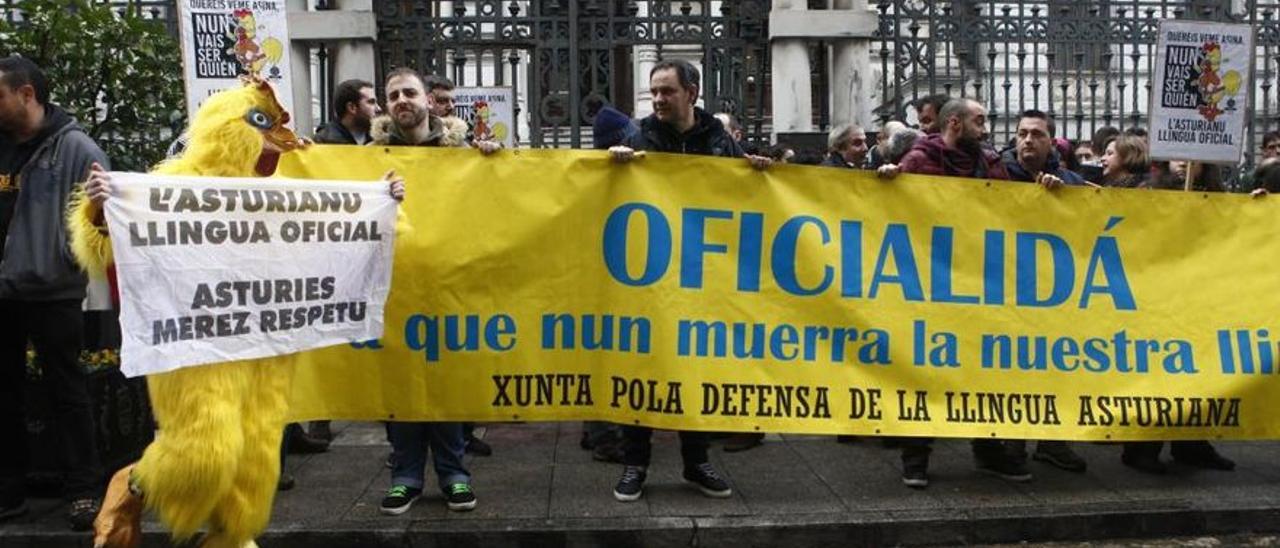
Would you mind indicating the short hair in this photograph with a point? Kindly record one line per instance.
(405, 71)
(346, 93)
(1136, 131)
(685, 71)
(1038, 115)
(900, 143)
(1132, 151)
(1101, 137)
(937, 100)
(435, 82)
(20, 71)
(960, 105)
(841, 135)
(1270, 137)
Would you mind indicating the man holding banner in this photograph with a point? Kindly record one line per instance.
(411, 123)
(677, 126)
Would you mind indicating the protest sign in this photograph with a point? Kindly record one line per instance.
(1201, 93)
(218, 269)
(224, 39)
(490, 111)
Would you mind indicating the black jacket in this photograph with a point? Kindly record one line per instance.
(334, 133)
(707, 137)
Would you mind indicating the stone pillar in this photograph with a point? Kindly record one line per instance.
(354, 58)
(300, 65)
(792, 102)
(646, 57)
(852, 84)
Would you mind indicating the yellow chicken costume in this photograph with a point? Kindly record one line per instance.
(216, 457)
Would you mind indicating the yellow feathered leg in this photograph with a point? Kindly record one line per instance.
(189, 468)
(245, 510)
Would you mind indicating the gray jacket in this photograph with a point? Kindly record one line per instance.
(37, 264)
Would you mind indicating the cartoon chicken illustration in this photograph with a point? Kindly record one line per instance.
(252, 55)
(216, 456)
(1212, 86)
(484, 128)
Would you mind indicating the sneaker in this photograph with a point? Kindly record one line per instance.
(13, 510)
(399, 499)
(82, 513)
(915, 478)
(631, 485)
(1005, 468)
(460, 497)
(708, 480)
(1203, 456)
(1059, 454)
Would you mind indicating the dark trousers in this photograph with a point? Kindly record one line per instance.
(55, 329)
(637, 446)
(915, 451)
(1179, 449)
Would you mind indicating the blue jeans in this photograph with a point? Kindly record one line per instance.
(409, 444)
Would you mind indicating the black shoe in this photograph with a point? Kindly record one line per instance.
(1060, 455)
(478, 447)
(1208, 459)
(1150, 465)
(300, 443)
(460, 497)
(13, 510)
(399, 499)
(1004, 468)
(82, 513)
(631, 485)
(286, 482)
(915, 478)
(607, 452)
(320, 430)
(585, 443)
(743, 442)
(708, 480)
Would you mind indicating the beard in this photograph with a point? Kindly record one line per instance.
(363, 124)
(410, 118)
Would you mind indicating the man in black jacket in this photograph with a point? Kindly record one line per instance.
(676, 126)
(44, 154)
(354, 107)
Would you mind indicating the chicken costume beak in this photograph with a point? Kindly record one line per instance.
(276, 138)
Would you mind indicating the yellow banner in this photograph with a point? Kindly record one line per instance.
(695, 293)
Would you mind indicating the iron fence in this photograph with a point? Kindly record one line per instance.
(1085, 62)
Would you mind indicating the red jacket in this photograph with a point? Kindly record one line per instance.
(931, 156)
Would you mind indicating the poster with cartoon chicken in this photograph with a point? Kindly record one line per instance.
(489, 111)
(1201, 92)
(225, 39)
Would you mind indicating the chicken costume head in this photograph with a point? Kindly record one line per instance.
(215, 460)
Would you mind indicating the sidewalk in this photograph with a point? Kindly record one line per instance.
(541, 489)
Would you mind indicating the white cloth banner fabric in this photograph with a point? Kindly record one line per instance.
(1200, 101)
(220, 269)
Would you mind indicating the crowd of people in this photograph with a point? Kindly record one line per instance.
(41, 288)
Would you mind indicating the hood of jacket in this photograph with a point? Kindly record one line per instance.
(445, 132)
(957, 162)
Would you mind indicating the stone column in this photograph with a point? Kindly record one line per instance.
(354, 58)
(852, 84)
(792, 102)
(300, 65)
(646, 57)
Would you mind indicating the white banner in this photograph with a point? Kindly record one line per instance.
(223, 39)
(219, 269)
(491, 112)
(1200, 102)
